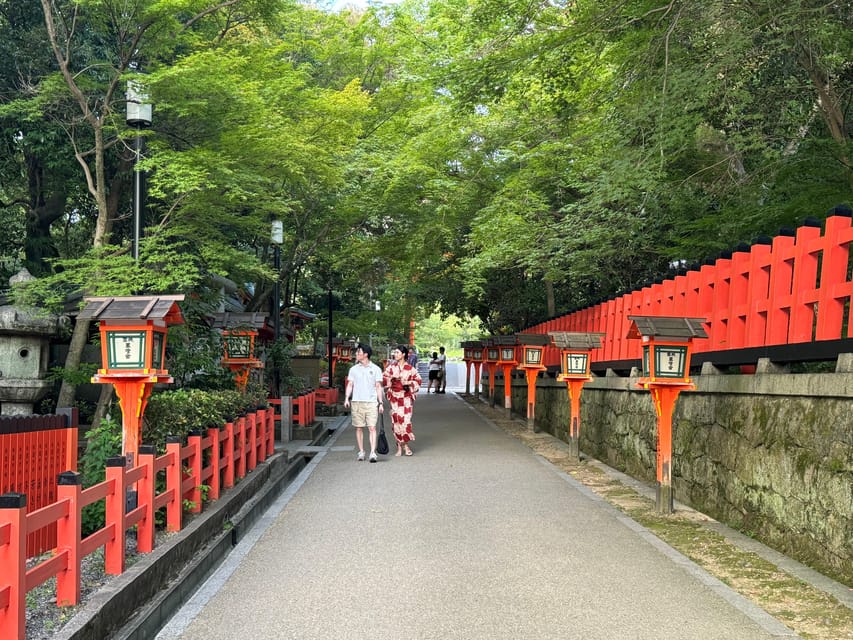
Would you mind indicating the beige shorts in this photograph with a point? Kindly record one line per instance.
(365, 414)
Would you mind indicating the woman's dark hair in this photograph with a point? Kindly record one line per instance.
(404, 350)
(434, 355)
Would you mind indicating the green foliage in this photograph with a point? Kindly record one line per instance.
(177, 413)
(102, 443)
(81, 375)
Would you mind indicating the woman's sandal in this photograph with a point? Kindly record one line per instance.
(408, 451)
(399, 451)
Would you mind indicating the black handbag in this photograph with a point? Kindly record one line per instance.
(382, 441)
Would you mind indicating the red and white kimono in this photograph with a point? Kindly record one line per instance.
(401, 382)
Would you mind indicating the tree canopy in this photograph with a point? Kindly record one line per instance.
(497, 159)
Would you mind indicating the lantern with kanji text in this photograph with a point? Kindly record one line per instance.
(239, 331)
(531, 347)
(575, 371)
(472, 353)
(133, 353)
(667, 343)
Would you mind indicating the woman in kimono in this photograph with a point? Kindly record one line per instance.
(401, 381)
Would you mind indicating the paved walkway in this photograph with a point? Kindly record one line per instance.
(473, 537)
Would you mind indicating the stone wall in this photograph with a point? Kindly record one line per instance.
(768, 454)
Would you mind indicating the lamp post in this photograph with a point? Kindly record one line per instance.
(138, 116)
(276, 237)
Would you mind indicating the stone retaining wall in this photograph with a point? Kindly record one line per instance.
(768, 454)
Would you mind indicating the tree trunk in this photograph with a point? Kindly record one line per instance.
(79, 338)
(549, 297)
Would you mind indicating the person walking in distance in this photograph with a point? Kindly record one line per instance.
(402, 382)
(433, 372)
(442, 371)
(364, 387)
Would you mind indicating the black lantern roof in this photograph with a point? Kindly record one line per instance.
(533, 338)
(471, 344)
(133, 308)
(499, 341)
(666, 327)
(576, 339)
(238, 320)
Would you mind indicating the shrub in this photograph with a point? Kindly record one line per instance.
(179, 412)
(103, 442)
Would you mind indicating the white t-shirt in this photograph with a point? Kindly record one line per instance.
(442, 359)
(363, 379)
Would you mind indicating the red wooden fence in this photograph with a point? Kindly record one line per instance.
(795, 290)
(33, 451)
(215, 459)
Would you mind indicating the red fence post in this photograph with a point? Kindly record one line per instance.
(68, 531)
(241, 447)
(13, 560)
(116, 516)
(215, 466)
(146, 490)
(174, 482)
(228, 481)
(252, 428)
(194, 464)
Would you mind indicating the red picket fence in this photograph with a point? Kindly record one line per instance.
(215, 459)
(34, 450)
(797, 289)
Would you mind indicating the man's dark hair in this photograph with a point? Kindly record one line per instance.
(441, 349)
(366, 348)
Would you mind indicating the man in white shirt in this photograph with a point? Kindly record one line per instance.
(442, 371)
(364, 387)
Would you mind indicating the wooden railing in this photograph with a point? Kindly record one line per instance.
(210, 462)
(796, 289)
(34, 449)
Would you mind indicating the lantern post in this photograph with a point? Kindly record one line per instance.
(530, 348)
(477, 354)
(133, 353)
(239, 331)
(469, 348)
(492, 354)
(507, 361)
(667, 346)
(575, 371)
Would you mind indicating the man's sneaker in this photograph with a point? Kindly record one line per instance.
(361, 456)
(373, 456)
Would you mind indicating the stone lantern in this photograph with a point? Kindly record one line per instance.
(24, 345)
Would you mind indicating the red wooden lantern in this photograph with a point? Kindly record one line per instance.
(472, 351)
(667, 345)
(133, 353)
(531, 347)
(575, 365)
(239, 331)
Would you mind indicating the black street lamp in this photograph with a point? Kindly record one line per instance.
(138, 117)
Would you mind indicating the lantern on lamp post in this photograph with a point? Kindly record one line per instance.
(667, 344)
(133, 353)
(507, 362)
(239, 331)
(575, 371)
(531, 348)
(491, 354)
(472, 353)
